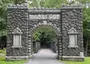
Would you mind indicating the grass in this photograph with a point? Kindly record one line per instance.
(3, 61)
(86, 61)
(3, 51)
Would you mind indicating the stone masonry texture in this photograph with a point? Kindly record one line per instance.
(19, 16)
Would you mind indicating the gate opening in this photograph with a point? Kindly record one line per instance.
(44, 37)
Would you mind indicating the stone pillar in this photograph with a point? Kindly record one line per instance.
(30, 45)
(59, 46)
(17, 17)
(72, 18)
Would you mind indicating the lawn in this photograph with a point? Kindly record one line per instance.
(3, 61)
(86, 61)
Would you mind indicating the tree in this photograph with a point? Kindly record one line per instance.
(18, 1)
(44, 35)
(48, 3)
(3, 8)
(84, 1)
(86, 29)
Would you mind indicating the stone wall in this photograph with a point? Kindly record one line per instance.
(72, 17)
(17, 17)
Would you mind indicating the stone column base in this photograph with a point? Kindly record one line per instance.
(16, 57)
(73, 58)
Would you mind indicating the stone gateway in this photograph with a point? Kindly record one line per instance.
(66, 22)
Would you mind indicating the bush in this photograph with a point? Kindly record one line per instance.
(1, 51)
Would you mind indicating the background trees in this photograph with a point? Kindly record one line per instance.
(44, 34)
(86, 30)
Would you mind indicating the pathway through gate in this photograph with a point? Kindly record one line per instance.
(44, 56)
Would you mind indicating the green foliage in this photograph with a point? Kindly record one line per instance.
(44, 34)
(3, 33)
(2, 24)
(86, 19)
(84, 1)
(3, 13)
(3, 8)
(48, 3)
(3, 51)
(86, 29)
(18, 1)
(3, 16)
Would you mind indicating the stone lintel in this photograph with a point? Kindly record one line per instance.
(46, 11)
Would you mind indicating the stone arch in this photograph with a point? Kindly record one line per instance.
(53, 27)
